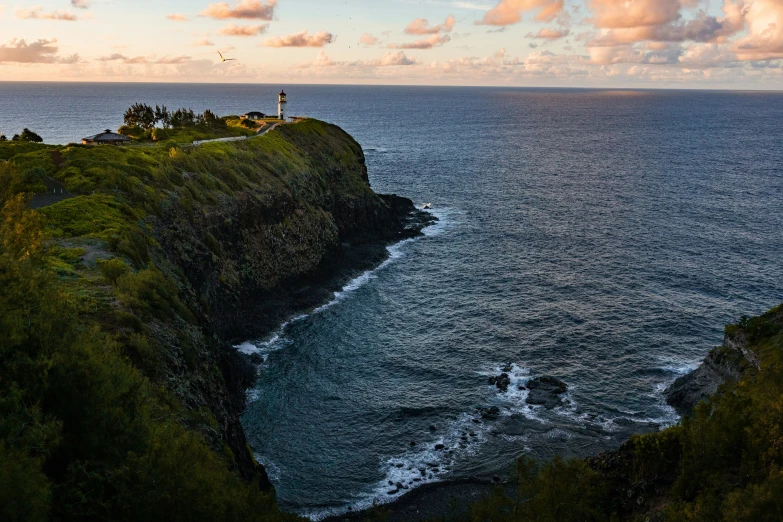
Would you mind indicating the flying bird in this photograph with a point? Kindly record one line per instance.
(225, 59)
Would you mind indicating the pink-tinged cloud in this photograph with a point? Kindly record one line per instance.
(662, 21)
(81, 4)
(37, 13)
(368, 39)
(301, 39)
(509, 12)
(394, 59)
(40, 51)
(616, 14)
(202, 43)
(244, 30)
(143, 60)
(764, 40)
(421, 26)
(548, 33)
(176, 17)
(390, 59)
(435, 40)
(246, 9)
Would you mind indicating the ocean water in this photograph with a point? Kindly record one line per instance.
(600, 236)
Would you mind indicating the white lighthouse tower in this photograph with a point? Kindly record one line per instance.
(281, 103)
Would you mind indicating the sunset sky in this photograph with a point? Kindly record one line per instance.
(622, 43)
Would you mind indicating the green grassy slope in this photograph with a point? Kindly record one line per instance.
(118, 398)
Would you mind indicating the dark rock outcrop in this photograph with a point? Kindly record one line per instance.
(724, 363)
(546, 391)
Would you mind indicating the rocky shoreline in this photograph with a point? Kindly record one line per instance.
(726, 362)
(452, 499)
(264, 312)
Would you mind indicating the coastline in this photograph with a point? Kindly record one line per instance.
(270, 312)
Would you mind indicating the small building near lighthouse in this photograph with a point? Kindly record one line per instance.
(281, 105)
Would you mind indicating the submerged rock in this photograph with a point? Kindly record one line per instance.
(546, 391)
(516, 425)
(490, 413)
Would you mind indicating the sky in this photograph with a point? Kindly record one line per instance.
(736, 44)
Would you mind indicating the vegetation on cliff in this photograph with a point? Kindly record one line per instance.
(119, 396)
(723, 462)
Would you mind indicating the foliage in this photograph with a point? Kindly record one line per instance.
(83, 434)
(27, 136)
(9, 149)
(140, 115)
(113, 269)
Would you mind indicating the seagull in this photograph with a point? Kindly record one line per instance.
(225, 59)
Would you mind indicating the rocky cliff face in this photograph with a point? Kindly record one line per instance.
(251, 257)
(724, 363)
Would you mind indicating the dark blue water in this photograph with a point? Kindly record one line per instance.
(603, 237)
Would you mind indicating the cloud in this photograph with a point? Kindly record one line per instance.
(202, 43)
(389, 59)
(509, 12)
(435, 40)
(176, 17)
(81, 4)
(139, 60)
(37, 13)
(246, 9)
(764, 40)
(368, 39)
(40, 51)
(301, 39)
(244, 30)
(662, 21)
(421, 26)
(548, 33)
(633, 13)
(394, 59)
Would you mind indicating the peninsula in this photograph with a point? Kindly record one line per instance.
(126, 272)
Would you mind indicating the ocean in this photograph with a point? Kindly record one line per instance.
(603, 237)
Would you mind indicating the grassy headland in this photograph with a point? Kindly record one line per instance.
(119, 393)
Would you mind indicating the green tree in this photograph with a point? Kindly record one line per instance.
(162, 116)
(140, 115)
(30, 136)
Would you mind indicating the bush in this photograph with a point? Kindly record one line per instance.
(113, 269)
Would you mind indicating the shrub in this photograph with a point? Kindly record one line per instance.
(113, 269)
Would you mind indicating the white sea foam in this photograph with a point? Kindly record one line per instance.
(422, 464)
(272, 469)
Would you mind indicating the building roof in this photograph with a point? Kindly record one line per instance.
(107, 135)
(254, 113)
(282, 93)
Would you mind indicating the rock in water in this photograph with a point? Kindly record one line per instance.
(501, 381)
(491, 413)
(546, 391)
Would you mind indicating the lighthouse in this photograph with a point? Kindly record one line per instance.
(281, 105)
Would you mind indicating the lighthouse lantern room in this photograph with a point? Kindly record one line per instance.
(281, 103)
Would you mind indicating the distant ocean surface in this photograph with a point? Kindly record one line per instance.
(600, 236)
